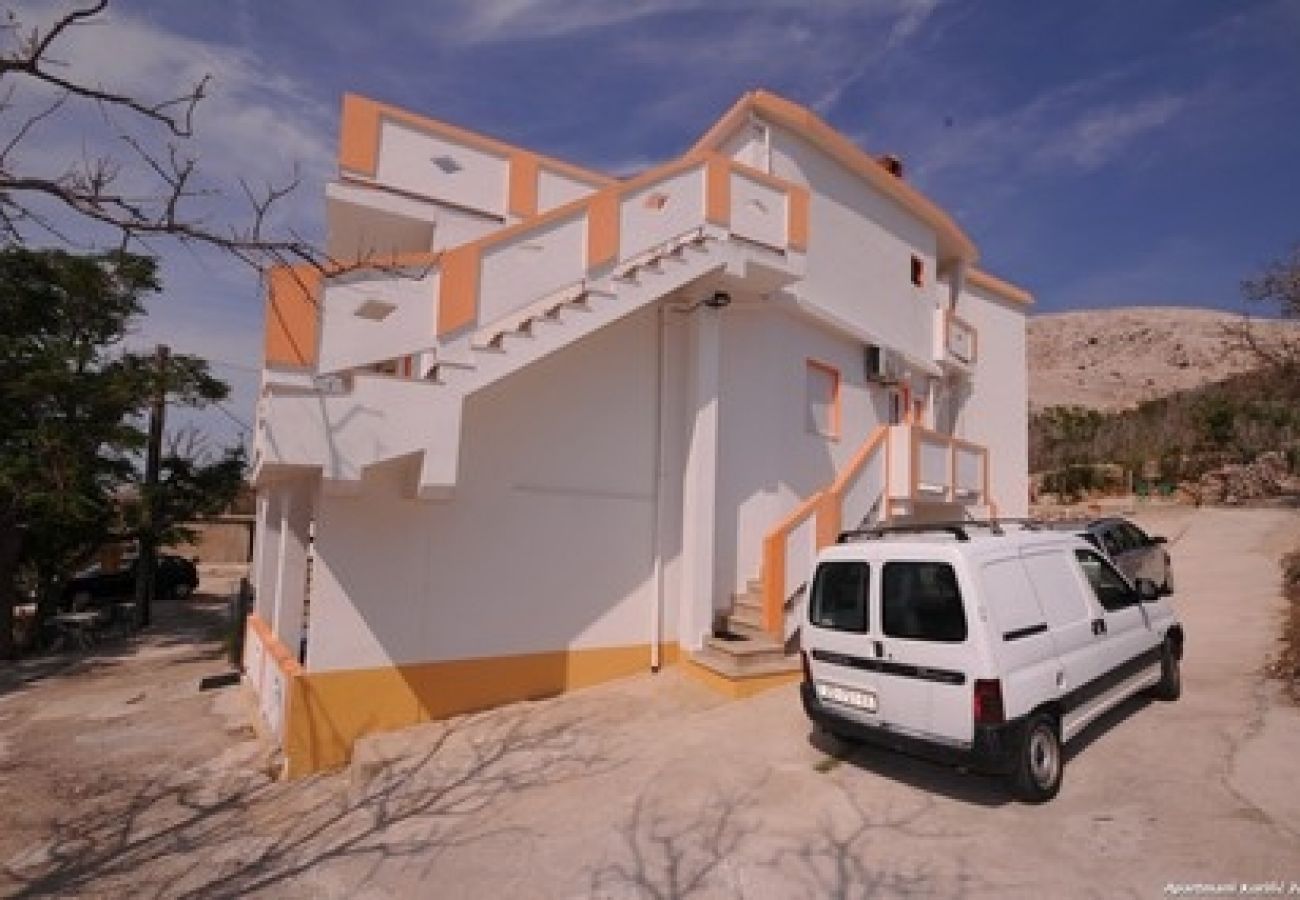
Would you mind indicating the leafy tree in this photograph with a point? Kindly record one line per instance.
(71, 426)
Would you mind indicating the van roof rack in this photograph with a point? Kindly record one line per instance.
(958, 529)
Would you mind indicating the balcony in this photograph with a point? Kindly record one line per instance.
(956, 340)
(928, 466)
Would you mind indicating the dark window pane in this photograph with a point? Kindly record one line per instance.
(920, 601)
(839, 596)
(1112, 591)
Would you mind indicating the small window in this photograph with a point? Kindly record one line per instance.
(1110, 588)
(920, 601)
(822, 389)
(918, 271)
(839, 596)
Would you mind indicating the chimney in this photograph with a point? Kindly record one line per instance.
(891, 164)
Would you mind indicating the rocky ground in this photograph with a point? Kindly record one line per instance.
(1114, 358)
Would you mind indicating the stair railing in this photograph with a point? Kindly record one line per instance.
(790, 548)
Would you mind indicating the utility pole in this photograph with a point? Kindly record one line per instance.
(146, 565)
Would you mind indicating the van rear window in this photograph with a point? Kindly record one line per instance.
(839, 596)
(920, 601)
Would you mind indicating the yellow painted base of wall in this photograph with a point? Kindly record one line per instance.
(328, 711)
(740, 687)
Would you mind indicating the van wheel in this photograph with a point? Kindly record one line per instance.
(1040, 763)
(1170, 685)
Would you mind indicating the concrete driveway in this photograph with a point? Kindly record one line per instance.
(654, 787)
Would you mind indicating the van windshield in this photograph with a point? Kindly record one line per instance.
(839, 596)
(920, 601)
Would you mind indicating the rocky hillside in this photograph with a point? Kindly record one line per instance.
(1115, 358)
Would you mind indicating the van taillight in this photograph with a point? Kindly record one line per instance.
(988, 702)
(807, 667)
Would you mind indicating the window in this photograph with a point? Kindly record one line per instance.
(1134, 538)
(920, 601)
(918, 271)
(822, 390)
(839, 596)
(1110, 588)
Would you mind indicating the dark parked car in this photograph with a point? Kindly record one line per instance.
(1134, 552)
(176, 577)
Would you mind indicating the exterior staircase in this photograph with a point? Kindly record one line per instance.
(740, 648)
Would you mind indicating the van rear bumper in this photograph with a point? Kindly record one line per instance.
(993, 750)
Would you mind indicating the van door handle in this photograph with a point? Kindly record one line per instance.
(879, 648)
(1098, 626)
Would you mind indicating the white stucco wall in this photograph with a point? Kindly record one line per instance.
(556, 189)
(478, 179)
(347, 339)
(996, 413)
(860, 248)
(546, 543)
(770, 460)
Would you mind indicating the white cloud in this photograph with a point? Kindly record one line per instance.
(1099, 135)
(486, 21)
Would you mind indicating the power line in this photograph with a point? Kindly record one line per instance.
(234, 418)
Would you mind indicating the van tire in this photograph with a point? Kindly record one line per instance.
(1170, 685)
(1040, 761)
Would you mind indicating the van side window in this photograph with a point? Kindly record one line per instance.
(839, 596)
(1112, 591)
(920, 601)
(1057, 587)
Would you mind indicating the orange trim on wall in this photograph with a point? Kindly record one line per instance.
(797, 205)
(1005, 289)
(359, 129)
(329, 711)
(284, 660)
(603, 228)
(773, 577)
(807, 125)
(458, 289)
(717, 190)
(524, 173)
(831, 515)
(292, 315)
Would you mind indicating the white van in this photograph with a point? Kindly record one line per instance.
(983, 644)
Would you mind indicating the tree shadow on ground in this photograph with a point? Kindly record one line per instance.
(227, 833)
(674, 851)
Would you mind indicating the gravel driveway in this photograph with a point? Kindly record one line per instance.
(654, 787)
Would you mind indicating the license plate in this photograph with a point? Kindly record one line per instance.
(863, 700)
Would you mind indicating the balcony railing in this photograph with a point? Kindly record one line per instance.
(956, 340)
(897, 463)
(927, 465)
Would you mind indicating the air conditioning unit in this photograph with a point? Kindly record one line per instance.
(882, 365)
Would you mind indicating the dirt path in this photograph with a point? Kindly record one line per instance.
(655, 787)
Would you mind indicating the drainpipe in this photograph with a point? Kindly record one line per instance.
(657, 604)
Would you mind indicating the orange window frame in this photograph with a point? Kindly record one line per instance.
(816, 365)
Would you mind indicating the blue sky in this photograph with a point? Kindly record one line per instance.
(1100, 154)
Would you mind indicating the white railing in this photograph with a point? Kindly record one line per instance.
(933, 460)
(928, 465)
(970, 465)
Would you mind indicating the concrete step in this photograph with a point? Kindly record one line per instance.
(745, 618)
(755, 586)
(730, 666)
(749, 600)
(747, 654)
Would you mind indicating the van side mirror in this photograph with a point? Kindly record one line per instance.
(1147, 591)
